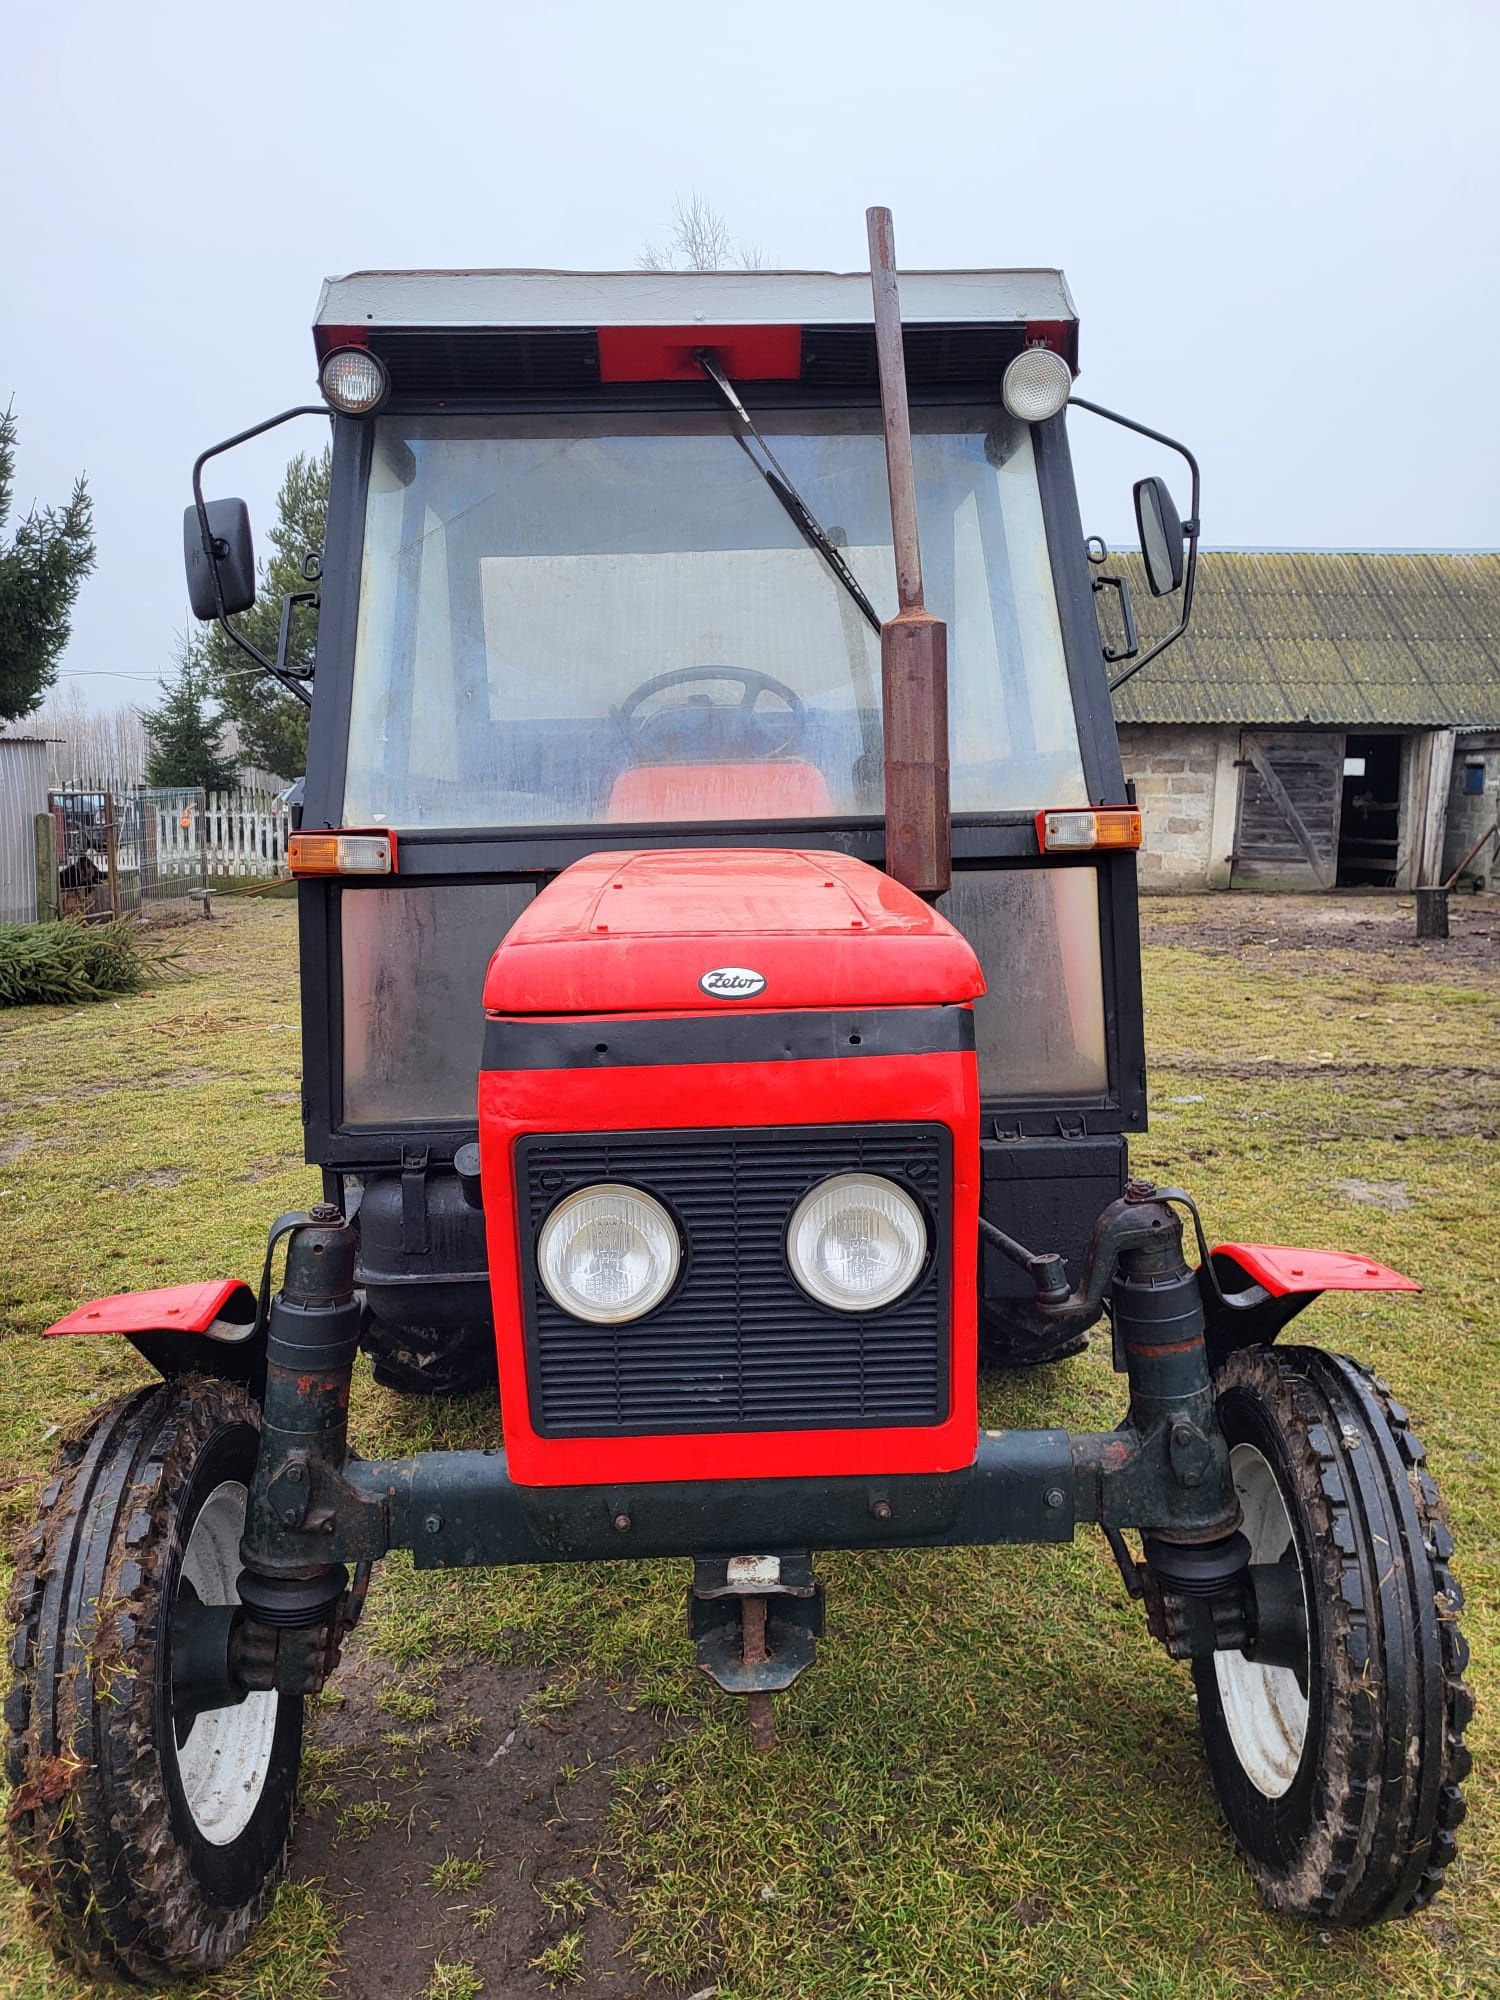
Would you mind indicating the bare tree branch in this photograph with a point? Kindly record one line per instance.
(700, 240)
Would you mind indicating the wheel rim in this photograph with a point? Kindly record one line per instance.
(1265, 1708)
(225, 1757)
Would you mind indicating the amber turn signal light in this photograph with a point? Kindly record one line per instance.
(1073, 830)
(341, 854)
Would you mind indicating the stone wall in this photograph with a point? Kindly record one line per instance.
(1187, 786)
(1469, 813)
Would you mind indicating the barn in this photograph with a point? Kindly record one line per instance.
(1329, 720)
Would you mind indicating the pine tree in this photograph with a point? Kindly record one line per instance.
(186, 742)
(48, 557)
(272, 725)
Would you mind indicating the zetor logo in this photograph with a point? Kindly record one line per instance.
(732, 982)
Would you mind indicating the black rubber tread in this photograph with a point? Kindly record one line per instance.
(91, 1826)
(420, 1361)
(1370, 1823)
(996, 1351)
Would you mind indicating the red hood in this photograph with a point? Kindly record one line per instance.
(636, 932)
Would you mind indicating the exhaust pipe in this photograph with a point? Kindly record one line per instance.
(913, 644)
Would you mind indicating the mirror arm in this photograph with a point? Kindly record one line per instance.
(276, 669)
(1190, 529)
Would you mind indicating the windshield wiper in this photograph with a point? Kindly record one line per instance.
(775, 476)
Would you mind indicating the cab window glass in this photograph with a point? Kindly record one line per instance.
(565, 623)
(1040, 1027)
(413, 966)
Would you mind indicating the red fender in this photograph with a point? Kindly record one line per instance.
(204, 1329)
(172, 1309)
(1282, 1270)
(1267, 1284)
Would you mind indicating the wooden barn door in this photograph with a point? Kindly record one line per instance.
(1291, 794)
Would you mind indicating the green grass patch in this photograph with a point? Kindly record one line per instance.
(455, 1872)
(453, 1981)
(990, 1783)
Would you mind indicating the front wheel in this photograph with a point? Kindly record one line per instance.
(1340, 1778)
(150, 1833)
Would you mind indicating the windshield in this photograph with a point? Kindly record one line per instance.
(569, 620)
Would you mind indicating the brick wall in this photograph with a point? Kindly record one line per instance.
(1186, 785)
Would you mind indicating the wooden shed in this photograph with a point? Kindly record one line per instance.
(1329, 720)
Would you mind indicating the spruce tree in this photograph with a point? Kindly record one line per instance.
(271, 724)
(47, 558)
(186, 742)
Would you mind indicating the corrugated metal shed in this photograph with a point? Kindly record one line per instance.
(23, 794)
(1280, 638)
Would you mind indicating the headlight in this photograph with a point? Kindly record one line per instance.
(354, 381)
(1036, 385)
(608, 1253)
(856, 1242)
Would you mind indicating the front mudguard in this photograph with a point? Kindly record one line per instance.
(1251, 1290)
(205, 1329)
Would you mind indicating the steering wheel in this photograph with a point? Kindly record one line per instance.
(752, 683)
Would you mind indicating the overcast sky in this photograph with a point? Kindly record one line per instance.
(1278, 219)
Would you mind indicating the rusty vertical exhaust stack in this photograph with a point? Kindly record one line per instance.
(913, 644)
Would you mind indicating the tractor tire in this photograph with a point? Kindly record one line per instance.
(998, 1349)
(150, 1844)
(430, 1361)
(1342, 1787)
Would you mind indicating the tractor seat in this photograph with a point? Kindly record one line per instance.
(664, 792)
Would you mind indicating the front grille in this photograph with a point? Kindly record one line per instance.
(739, 1345)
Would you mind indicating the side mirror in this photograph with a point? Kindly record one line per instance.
(234, 557)
(1160, 526)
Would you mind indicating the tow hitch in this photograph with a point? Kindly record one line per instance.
(755, 1622)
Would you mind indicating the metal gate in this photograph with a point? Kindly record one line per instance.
(125, 853)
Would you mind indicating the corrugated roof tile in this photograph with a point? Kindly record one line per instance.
(1290, 636)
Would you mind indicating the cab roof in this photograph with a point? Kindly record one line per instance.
(674, 298)
(474, 334)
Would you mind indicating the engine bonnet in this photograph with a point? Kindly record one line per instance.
(698, 929)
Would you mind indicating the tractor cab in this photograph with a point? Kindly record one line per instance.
(607, 564)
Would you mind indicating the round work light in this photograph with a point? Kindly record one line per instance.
(608, 1253)
(1036, 385)
(354, 381)
(856, 1242)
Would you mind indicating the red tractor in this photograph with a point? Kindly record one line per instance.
(721, 1017)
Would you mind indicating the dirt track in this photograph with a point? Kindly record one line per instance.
(1344, 930)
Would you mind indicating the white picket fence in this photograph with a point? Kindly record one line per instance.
(221, 833)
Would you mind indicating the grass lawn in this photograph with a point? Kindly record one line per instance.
(990, 1783)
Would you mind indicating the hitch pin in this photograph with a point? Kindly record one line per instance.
(753, 1650)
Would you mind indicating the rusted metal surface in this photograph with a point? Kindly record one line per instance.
(757, 1706)
(891, 360)
(914, 679)
(914, 644)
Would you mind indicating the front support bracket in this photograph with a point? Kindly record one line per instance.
(315, 1508)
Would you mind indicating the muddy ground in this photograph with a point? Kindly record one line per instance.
(401, 1831)
(1345, 932)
